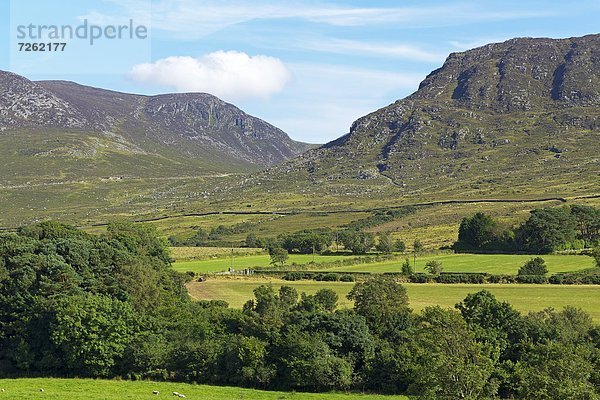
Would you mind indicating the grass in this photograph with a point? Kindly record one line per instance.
(87, 389)
(491, 263)
(525, 298)
(202, 253)
(250, 261)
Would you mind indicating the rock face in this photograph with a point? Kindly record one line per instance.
(488, 122)
(520, 75)
(193, 125)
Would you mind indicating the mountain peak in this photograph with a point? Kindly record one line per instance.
(519, 74)
(189, 125)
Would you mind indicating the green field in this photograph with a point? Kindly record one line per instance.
(491, 263)
(87, 389)
(523, 297)
(251, 261)
(508, 264)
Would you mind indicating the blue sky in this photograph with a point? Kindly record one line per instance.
(308, 67)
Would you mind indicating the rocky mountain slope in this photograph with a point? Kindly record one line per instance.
(514, 119)
(193, 128)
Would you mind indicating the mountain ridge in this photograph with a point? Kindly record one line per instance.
(498, 119)
(193, 124)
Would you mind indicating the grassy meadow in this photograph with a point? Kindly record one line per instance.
(88, 389)
(236, 291)
(218, 260)
(507, 264)
(248, 261)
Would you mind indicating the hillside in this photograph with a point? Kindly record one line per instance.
(517, 119)
(78, 132)
(511, 121)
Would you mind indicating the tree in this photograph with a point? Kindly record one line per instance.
(555, 371)
(399, 246)
(588, 223)
(379, 299)
(327, 298)
(546, 230)
(278, 256)
(596, 255)
(91, 333)
(477, 231)
(385, 244)
(444, 360)
(418, 247)
(307, 241)
(252, 241)
(535, 266)
(434, 267)
(357, 241)
(407, 268)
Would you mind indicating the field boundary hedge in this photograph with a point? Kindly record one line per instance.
(586, 278)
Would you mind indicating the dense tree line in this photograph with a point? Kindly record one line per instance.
(74, 304)
(310, 241)
(546, 230)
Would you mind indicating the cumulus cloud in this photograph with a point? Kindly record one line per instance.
(230, 75)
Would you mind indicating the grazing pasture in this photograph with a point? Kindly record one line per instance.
(87, 389)
(525, 298)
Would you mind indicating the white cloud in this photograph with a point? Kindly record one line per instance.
(230, 75)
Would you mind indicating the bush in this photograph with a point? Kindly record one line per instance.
(407, 268)
(538, 279)
(294, 276)
(535, 266)
(420, 278)
(434, 267)
(347, 278)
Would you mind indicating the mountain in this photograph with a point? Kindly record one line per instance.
(515, 119)
(109, 133)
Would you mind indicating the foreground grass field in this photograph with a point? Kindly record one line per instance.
(87, 389)
(250, 261)
(524, 298)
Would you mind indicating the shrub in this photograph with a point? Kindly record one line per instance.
(539, 279)
(535, 266)
(434, 267)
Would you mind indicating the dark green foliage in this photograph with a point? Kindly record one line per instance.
(588, 223)
(555, 371)
(110, 306)
(477, 231)
(359, 242)
(445, 361)
(535, 266)
(596, 255)
(379, 299)
(407, 268)
(384, 243)
(399, 246)
(252, 241)
(546, 230)
(278, 256)
(307, 241)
